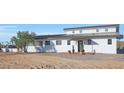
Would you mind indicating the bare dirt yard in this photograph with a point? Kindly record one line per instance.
(60, 61)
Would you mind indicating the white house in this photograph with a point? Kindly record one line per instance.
(9, 48)
(101, 39)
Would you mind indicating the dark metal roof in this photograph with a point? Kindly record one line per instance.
(11, 46)
(49, 36)
(98, 26)
(75, 36)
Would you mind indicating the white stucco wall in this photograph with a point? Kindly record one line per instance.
(64, 47)
(10, 49)
(84, 31)
(53, 47)
(101, 46)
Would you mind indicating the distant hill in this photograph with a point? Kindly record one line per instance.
(120, 44)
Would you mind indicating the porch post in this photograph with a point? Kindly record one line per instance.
(92, 45)
(43, 43)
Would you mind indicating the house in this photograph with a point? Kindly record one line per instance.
(9, 48)
(101, 39)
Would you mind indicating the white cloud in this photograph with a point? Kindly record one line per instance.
(5, 34)
(2, 33)
(6, 28)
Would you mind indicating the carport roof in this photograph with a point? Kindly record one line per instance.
(80, 36)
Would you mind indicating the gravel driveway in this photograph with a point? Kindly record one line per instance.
(60, 61)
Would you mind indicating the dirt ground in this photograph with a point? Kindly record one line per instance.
(60, 61)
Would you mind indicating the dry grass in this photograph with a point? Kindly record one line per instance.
(60, 61)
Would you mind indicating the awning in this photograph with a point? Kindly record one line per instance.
(80, 36)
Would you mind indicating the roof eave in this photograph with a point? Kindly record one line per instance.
(90, 27)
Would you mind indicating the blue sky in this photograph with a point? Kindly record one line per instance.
(9, 30)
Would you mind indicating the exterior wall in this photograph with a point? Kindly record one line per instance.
(101, 46)
(53, 47)
(64, 47)
(10, 49)
(31, 49)
(68, 32)
(84, 31)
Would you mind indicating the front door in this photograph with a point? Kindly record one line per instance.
(80, 45)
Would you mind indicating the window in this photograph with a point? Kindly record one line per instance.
(58, 42)
(109, 41)
(73, 31)
(47, 42)
(85, 42)
(97, 30)
(81, 31)
(89, 41)
(68, 42)
(40, 43)
(106, 29)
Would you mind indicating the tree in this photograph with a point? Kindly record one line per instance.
(23, 39)
(16, 42)
(2, 45)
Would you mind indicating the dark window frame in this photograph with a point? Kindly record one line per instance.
(81, 31)
(68, 42)
(89, 41)
(41, 43)
(109, 41)
(58, 42)
(73, 31)
(47, 43)
(106, 29)
(97, 30)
